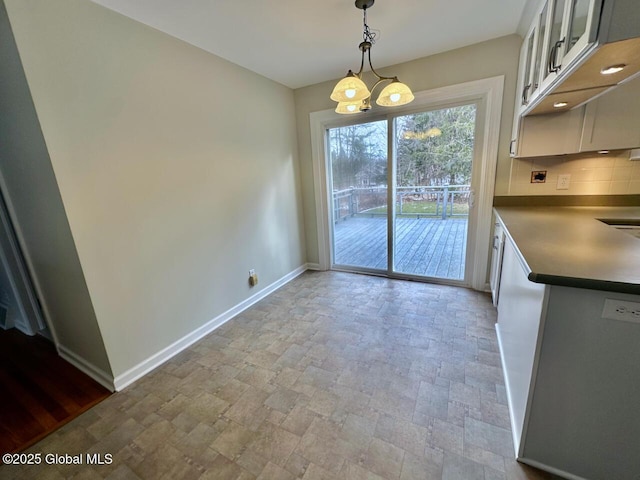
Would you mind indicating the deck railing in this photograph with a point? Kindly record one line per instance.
(421, 201)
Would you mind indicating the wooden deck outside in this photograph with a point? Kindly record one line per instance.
(429, 247)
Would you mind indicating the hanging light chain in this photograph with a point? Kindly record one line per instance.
(367, 34)
(352, 94)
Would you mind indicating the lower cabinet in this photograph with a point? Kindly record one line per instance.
(496, 261)
(572, 376)
(519, 322)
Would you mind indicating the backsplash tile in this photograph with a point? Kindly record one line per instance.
(591, 174)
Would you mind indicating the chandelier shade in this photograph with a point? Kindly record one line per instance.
(350, 89)
(348, 108)
(353, 95)
(396, 93)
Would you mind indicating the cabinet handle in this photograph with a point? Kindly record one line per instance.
(553, 66)
(495, 242)
(512, 150)
(525, 94)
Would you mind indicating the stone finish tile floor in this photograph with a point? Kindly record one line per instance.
(334, 376)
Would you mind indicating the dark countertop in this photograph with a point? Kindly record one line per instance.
(568, 246)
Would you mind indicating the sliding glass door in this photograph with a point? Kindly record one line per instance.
(433, 159)
(358, 161)
(400, 188)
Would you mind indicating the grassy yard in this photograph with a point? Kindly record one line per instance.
(422, 208)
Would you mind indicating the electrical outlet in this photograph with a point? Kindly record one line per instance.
(621, 310)
(253, 278)
(564, 180)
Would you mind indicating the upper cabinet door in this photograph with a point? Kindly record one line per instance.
(540, 45)
(528, 51)
(553, 48)
(580, 29)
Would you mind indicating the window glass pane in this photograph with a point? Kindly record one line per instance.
(542, 30)
(578, 25)
(358, 156)
(556, 31)
(433, 176)
(527, 69)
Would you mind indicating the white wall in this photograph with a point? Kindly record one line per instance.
(178, 170)
(483, 60)
(31, 193)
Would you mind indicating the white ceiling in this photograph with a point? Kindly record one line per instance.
(299, 43)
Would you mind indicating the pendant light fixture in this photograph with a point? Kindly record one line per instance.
(353, 95)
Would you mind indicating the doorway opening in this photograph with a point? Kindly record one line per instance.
(39, 390)
(431, 169)
(409, 194)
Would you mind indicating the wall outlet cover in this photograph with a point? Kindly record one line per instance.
(621, 310)
(564, 180)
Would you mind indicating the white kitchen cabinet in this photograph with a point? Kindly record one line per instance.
(541, 28)
(529, 70)
(520, 311)
(524, 72)
(580, 29)
(529, 52)
(567, 46)
(561, 32)
(612, 121)
(534, 68)
(555, 32)
(570, 375)
(496, 261)
(551, 134)
(520, 103)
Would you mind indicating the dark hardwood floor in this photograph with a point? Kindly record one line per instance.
(39, 391)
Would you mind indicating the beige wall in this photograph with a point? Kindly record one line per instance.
(31, 191)
(178, 170)
(483, 60)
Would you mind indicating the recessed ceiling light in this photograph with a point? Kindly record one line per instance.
(610, 70)
(560, 104)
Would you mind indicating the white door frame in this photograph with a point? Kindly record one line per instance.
(22, 295)
(487, 94)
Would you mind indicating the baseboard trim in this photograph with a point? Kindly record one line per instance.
(154, 361)
(313, 266)
(99, 375)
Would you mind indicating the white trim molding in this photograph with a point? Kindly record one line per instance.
(103, 378)
(487, 94)
(319, 121)
(154, 361)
